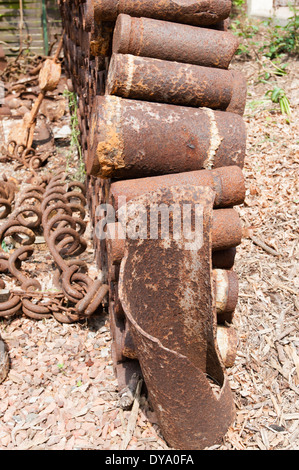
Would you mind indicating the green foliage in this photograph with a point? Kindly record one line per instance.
(272, 69)
(4, 247)
(238, 3)
(282, 39)
(75, 134)
(246, 29)
(278, 95)
(274, 39)
(238, 7)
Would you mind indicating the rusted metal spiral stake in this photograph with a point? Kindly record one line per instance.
(63, 233)
(7, 195)
(58, 206)
(21, 222)
(30, 309)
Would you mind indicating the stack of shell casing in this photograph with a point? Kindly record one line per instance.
(160, 106)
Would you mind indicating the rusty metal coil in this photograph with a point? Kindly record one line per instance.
(7, 195)
(25, 157)
(34, 193)
(21, 254)
(63, 210)
(10, 307)
(35, 311)
(21, 227)
(12, 228)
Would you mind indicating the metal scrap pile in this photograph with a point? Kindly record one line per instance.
(160, 114)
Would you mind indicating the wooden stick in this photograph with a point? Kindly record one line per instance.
(263, 245)
(21, 25)
(133, 418)
(4, 361)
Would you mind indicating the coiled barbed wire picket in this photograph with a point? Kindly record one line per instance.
(8, 190)
(54, 206)
(63, 221)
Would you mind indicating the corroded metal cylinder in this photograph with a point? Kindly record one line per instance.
(164, 40)
(195, 12)
(144, 78)
(226, 232)
(227, 182)
(226, 229)
(227, 342)
(226, 294)
(224, 259)
(133, 139)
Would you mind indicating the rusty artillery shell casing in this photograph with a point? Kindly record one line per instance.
(226, 229)
(224, 259)
(226, 233)
(227, 182)
(227, 342)
(226, 294)
(164, 40)
(133, 139)
(161, 81)
(195, 12)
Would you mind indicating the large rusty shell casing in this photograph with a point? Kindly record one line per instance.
(226, 228)
(174, 331)
(164, 40)
(133, 139)
(226, 294)
(226, 233)
(224, 259)
(195, 12)
(227, 182)
(144, 78)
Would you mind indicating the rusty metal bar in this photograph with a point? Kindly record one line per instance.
(163, 81)
(132, 139)
(175, 42)
(187, 11)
